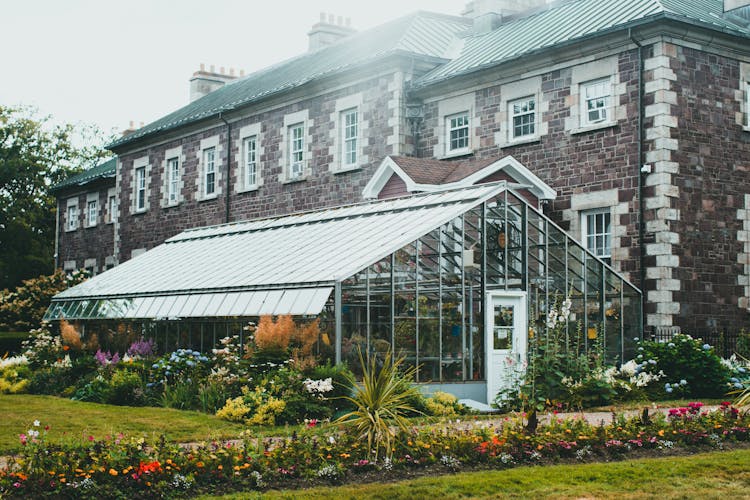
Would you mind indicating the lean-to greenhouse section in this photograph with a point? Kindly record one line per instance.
(411, 276)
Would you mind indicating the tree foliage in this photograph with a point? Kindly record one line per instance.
(35, 155)
(23, 309)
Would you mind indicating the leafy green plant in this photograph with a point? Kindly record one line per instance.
(685, 358)
(380, 402)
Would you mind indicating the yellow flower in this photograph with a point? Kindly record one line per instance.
(112, 472)
(661, 432)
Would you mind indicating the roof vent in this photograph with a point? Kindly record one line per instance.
(489, 14)
(204, 81)
(329, 30)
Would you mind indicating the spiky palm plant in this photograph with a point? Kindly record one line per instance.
(380, 402)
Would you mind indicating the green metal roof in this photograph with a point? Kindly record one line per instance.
(101, 171)
(420, 34)
(574, 20)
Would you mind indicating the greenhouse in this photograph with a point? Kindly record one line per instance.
(455, 282)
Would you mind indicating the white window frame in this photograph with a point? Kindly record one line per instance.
(72, 214)
(601, 95)
(349, 137)
(296, 147)
(112, 208)
(209, 171)
(92, 208)
(605, 250)
(173, 180)
(513, 115)
(451, 127)
(139, 179)
(250, 161)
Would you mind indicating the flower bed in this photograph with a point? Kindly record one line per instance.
(136, 468)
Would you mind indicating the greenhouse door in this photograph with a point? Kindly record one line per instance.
(506, 338)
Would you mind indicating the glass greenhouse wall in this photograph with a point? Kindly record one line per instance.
(425, 302)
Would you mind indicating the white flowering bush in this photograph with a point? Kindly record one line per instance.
(318, 388)
(42, 348)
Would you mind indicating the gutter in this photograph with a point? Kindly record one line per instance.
(640, 174)
(57, 232)
(229, 163)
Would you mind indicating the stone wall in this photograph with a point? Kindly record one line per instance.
(324, 183)
(86, 246)
(712, 152)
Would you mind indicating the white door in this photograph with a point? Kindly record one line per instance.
(506, 335)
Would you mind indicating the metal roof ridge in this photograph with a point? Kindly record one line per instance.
(184, 236)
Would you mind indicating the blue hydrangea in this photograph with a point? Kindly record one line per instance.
(683, 382)
(706, 347)
(671, 344)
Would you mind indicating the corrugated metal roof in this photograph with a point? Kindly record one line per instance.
(569, 21)
(103, 170)
(421, 34)
(315, 249)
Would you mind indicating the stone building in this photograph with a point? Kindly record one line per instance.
(627, 120)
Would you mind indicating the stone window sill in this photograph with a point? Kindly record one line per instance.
(91, 226)
(300, 178)
(172, 205)
(519, 142)
(457, 154)
(252, 189)
(746, 128)
(347, 169)
(140, 212)
(591, 128)
(208, 198)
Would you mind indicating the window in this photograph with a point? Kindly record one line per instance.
(296, 150)
(112, 203)
(140, 188)
(250, 148)
(92, 209)
(523, 117)
(747, 105)
(597, 233)
(209, 162)
(457, 127)
(173, 181)
(349, 133)
(595, 102)
(72, 217)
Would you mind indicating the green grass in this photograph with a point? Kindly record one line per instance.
(708, 475)
(78, 420)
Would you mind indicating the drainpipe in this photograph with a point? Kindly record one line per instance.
(641, 175)
(57, 233)
(229, 162)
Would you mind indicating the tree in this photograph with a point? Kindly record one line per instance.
(35, 155)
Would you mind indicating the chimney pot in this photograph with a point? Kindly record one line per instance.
(242, 72)
(340, 21)
(348, 22)
(231, 71)
(322, 17)
(212, 69)
(203, 67)
(141, 125)
(132, 124)
(330, 18)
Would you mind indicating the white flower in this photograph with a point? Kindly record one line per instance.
(36, 423)
(331, 439)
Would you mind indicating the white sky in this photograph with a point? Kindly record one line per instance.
(108, 62)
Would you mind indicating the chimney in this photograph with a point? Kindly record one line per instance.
(328, 31)
(205, 81)
(131, 128)
(489, 14)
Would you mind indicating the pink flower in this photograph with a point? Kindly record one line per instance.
(91, 438)
(22, 437)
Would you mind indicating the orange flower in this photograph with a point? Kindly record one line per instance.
(112, 472)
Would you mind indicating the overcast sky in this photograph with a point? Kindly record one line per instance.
(108, 62)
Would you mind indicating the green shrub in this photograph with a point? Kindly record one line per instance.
(444, 404)
(11, 342)
(686, 359)
(96, 390)
(743, 344)
(126, 388)
(51, 380)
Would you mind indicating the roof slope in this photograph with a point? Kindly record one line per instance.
(311, 249)
(421, 34)
(576, 20)
(101, 171)
(429, 171)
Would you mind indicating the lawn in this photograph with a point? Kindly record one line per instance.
(709, 475)
(75, 419)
